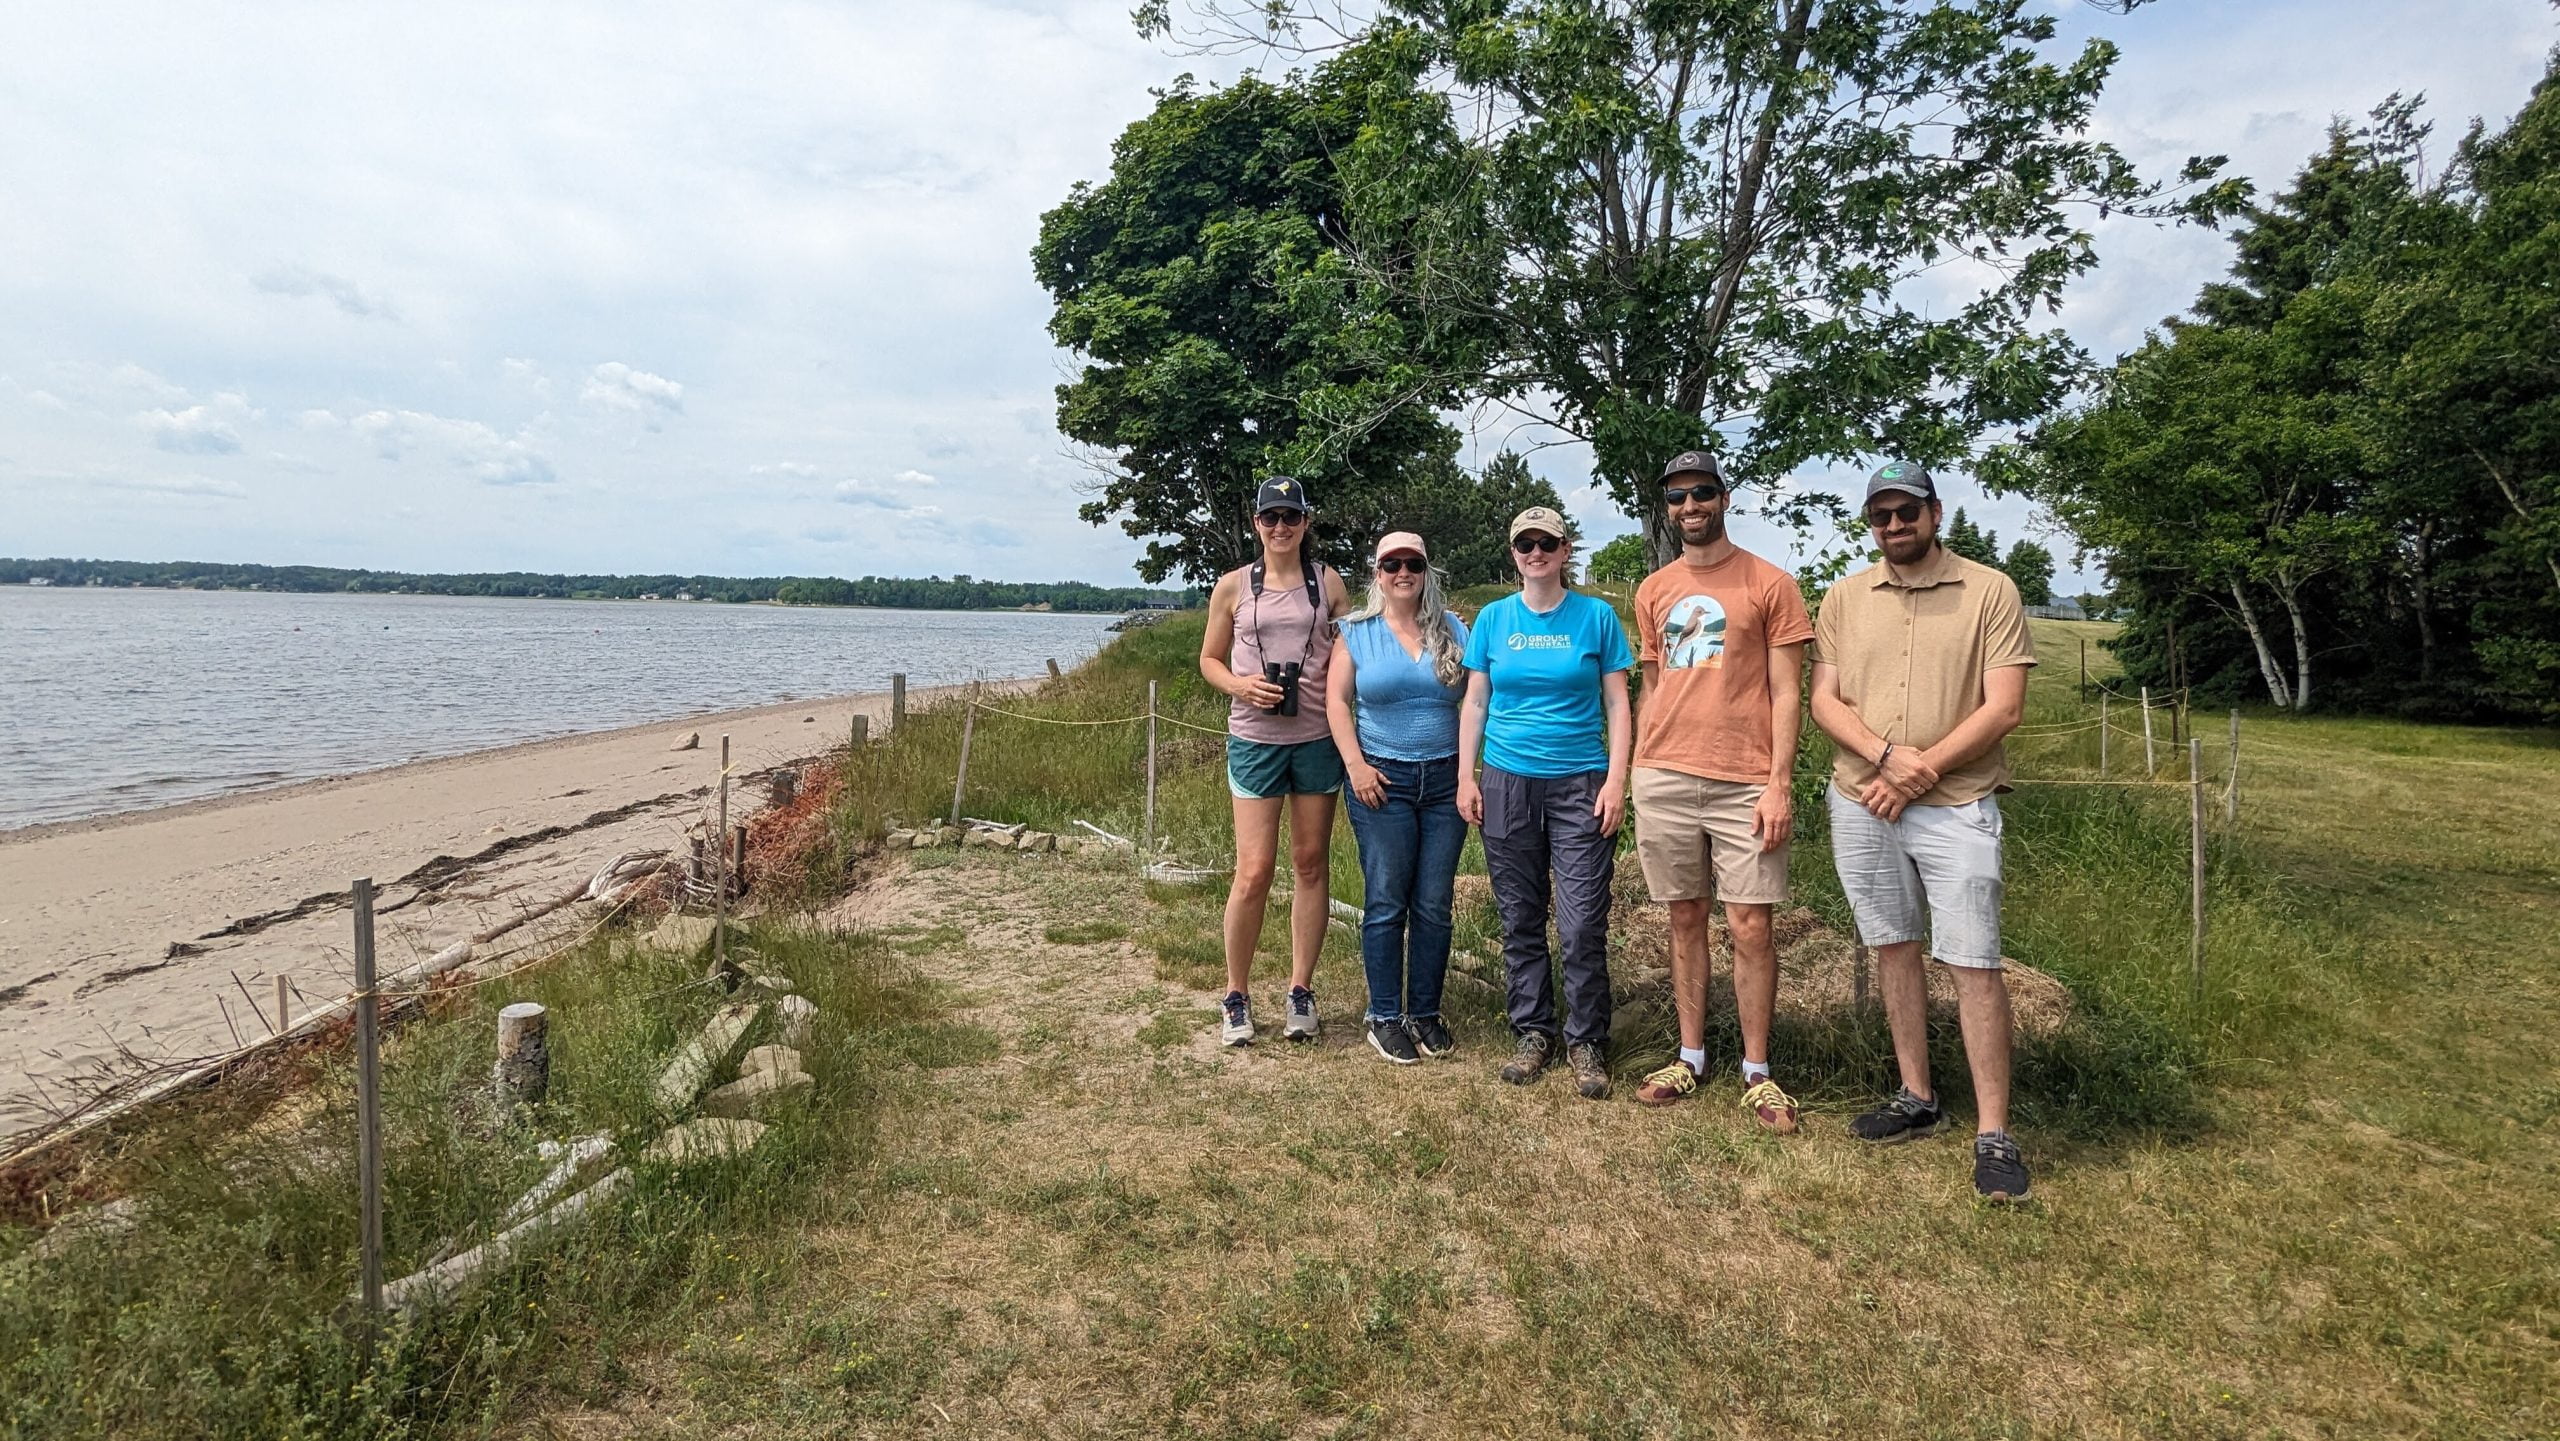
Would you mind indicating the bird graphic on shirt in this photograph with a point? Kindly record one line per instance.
(1693, 634)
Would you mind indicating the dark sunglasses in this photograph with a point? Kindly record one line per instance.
(1706, 491)
(1527, 543)
(1282, 517)
(1397, 564)
(1908, 513)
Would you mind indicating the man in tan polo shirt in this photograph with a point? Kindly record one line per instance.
(1920, 668)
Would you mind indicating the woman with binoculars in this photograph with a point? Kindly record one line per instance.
(1269, 642)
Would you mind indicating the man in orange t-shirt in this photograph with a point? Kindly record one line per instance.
(1722, 644)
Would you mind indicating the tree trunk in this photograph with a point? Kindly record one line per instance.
(2301, 644)
(2421, 563)
(1661, 537)
(2267, 667)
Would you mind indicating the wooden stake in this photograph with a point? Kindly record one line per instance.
(968, 732)
(523, 1071)
(720, 897)
(1147, 843)
(861, 733)
(368, 1111)
(2150, 757)
(1054, 672)
(2103, 728)
(2195, 861)
(283, 1016)
(2231, 777)
(898, 701)
(2084, 669)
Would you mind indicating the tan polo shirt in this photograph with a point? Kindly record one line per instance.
(1911, 655)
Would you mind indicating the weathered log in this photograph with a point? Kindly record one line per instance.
(443, 1279)
(704, 1056)
(522, 1075)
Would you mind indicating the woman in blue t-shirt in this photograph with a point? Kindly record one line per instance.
(1546, 708)
(1395, 680)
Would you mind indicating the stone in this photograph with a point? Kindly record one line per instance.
(947, 836)
(705, 1140)
(705, 1056)
(1037, 841)
(769, 1058)
(1069, 845)
(759, 1091)
(771, 984)
(691, 742)
(683, 935)
(899, 840)
(990, 841)
(798, 1014)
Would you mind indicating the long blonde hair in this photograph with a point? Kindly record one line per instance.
(1439, 642)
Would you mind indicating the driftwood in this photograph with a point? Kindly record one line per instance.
(695, 1065)
(522, 1075)
(446, 1277)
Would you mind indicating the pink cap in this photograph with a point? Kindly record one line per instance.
(1395, 541)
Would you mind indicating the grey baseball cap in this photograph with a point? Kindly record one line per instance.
(1693, 462)
(1903, 476)
(1280, 492)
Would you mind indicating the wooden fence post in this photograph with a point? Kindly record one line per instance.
(2103, 728)
(968, 732)
(2084, 670)
(2195, 862)
(2231, 778)
(281, 993)
(1147, 842)
(2150, 756)
(368, 1112)
(720, 900)
(1054, 672)
(898, 701)
(861, 734)
(523, 1071)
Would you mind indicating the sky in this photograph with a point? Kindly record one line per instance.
(746, 290)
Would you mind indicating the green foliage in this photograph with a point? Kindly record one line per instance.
(1466, 518)
(1622, 559)
(2340, 478)
(2031, 566)
(1972, 541)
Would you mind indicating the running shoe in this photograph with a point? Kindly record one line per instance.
(1775, 1109)
(1903, 1118)
(1430, 1037)
(1238, 1027)
(1391, 1040)
(1999, 1172)
(1669, 1086)
(1590, 1074)
(1529, 1058)
(1300, 1023)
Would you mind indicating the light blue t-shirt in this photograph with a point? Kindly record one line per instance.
(1404, 712)
(1546, 719)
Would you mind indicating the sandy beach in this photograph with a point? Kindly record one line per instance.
(157, 935)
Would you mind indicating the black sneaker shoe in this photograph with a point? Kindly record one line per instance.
(1390, 1039)
(1529, 1058)
(1999, 1172)
(1590, 1073)
(1430, 1037)
(1904, 1118)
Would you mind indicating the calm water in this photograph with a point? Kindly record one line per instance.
(114, 700)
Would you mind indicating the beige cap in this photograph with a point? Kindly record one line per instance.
(1396, 541)
(1539, 517)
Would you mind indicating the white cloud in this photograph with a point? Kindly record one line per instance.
(617, 386)
(196, 430)
(472, 446)
(884, 496)
(793, 468)
(302, 280)
(204, 486)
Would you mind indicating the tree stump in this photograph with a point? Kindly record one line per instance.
(523, 1072)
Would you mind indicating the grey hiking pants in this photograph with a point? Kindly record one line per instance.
(1536, 831)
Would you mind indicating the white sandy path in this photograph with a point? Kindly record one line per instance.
(88, 909)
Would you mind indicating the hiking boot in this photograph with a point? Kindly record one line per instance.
(1999, 1172)
(1529, 1058)
(1300, 1023)
(1669, 1086)
(1775, 1109)
(1237, 1028)
(1590, 1074)
(1391, 1040)
(1430, 1037)
(1904, 1118)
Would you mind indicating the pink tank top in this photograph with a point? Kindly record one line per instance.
(1282, 624)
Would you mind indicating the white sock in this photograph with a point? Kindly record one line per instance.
(1754, 1072)
(1695, 1060)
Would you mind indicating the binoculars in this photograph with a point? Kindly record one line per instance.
(1283, 674)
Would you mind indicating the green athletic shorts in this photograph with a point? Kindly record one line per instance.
(1262, 770)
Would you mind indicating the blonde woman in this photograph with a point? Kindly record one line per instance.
(1397, 674)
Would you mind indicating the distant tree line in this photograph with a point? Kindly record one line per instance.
(960, 592)
(2337, 480)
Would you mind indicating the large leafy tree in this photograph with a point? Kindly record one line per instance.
(1811, 230)
(1225, 332)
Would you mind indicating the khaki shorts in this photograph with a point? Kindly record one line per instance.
(1683, 822)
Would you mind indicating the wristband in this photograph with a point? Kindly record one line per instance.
(1887, 754)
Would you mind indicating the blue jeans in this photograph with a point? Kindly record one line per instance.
(1409, 870)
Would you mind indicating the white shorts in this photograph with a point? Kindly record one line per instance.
(1947, 856)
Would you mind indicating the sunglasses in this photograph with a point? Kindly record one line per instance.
(1703, 493)
(1908, 513)
(1398, 564)
(1282, 517)
(1527, 543)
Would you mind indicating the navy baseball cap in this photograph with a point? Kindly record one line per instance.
(1693, 462)
(1280, 493)
(1902, 475)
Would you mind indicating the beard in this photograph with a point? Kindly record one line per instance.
(1906, 549)
(1706, 531)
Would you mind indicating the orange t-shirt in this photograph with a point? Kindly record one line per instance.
(1707, 630)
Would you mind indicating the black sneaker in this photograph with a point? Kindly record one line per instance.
(1590, 1073)
(1529, 1058)
(1389, 1039)
(1430, 1037)
(1999, 1172)
(1904, 1118)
